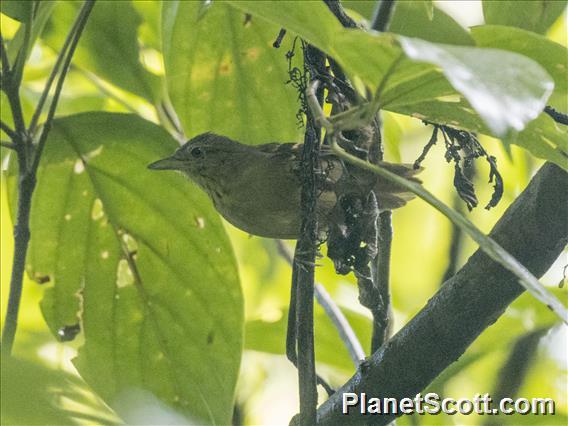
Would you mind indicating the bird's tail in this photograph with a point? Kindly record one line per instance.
(391, 195)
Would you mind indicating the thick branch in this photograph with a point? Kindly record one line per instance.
(534, 230)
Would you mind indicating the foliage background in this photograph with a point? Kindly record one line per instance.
(232, 82)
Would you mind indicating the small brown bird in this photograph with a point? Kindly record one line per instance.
(257, 187)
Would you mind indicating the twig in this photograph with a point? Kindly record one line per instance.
(51, 78)
(82, 19)
(26, 184)
(8, 145)
(279, 38)
(488, 245)
(6, 129)
(474, 299)
(382, 315)
(382, 15)
(4, 55)
(337, 9)
(556, 116)
(346, 332)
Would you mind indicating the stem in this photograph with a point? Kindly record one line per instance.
(382, 15)
(304, 260)
(4, 55)
(6, 129)
(535, 230)
(52, 76)
(382, 316)
(26, 184)
(82, 21)
(556, 116)
(487, 244)
(346, 332)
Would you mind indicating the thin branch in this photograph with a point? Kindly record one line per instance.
(557, 116)
(26, 186)
(488, 245)
(304, 259)
(474, 299)
(9, 131)
(8, 145)
(346, 332)
(4, 55)
(82, 19)
(382, 15)
(382, 318)
(52, 75)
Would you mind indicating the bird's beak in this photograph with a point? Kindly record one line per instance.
(169, 163)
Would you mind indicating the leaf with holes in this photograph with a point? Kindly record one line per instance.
(223, 75)
(140, 261)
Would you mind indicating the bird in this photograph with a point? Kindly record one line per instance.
(257, 188)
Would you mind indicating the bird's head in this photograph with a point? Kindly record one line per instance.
(202, 158)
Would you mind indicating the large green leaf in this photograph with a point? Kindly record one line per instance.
(223, 74)
(491, 81)
(33, 394)
(141, 261)
(550, 55)
(415, 19)
(109, 45)
(488, 78)
(19, 10)
(530, 15)
(44, 10)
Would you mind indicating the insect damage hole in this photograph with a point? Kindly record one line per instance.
(124, 276)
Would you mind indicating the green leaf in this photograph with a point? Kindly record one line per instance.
(490, 80)
(20, 10)
(44, 10)
(141, 261)
(415, 19)
(33, 394)
(223, 74)
(536, 16)
(270, 337)
(109, 45)
(550, 55)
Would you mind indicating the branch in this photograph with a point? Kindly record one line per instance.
(382, 316)
(346, 333)
(4, 55)
(382, 15)
(26, 185)
(52, 75)
(304, 259)
(82, 21)
(534, 230)
(557, 116)
(6, 129)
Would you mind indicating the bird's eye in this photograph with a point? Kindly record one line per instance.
(196, 152)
